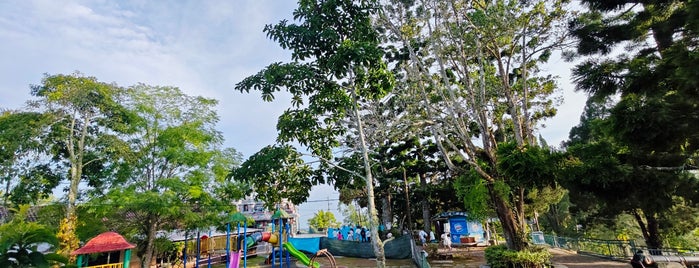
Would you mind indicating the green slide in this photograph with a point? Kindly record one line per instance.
(299, 255)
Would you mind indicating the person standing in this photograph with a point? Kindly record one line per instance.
(446, 240)
(368, 235)
(350, 234)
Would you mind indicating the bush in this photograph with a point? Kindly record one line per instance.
(431, 249)
(501, 257)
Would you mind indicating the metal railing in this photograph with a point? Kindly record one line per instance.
(111, 265)
(613, 249)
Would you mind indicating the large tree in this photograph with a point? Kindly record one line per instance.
(643, 53)
(336, 64)
(474, 69)
(171, 167)
(85, 115)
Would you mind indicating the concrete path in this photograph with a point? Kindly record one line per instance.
(563, 258)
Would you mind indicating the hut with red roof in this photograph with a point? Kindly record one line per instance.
(111, 251)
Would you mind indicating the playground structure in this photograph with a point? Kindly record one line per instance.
(277, 238)
(112, 249)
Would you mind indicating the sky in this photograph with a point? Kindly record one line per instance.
(202, 47)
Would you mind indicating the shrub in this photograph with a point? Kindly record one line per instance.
(431, 249)
(501, 257)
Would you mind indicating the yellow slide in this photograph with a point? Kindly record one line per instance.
(299, 255)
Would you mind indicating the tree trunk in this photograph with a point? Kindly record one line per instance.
(150, 242)
(373, 216)
(386, 212)
(654, 241)
(511, 230)
(425, 204)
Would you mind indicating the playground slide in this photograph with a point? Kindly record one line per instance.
(299, 255)
(235, 259)
(256, 237)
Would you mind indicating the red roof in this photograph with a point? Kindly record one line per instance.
(105, 242)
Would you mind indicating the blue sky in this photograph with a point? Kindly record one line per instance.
(202, 47)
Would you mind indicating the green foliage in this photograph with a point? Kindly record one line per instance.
(276, 172)
(19, 241)
(171, 168)
(354, 215)
(602, 167)
(474, 193)
(474, 70)
(501, 257)
(27, 180)
(334, 40)
(654, 81)
(323, 220)
(527, 166)
(336, 64)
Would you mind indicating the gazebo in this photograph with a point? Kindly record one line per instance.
(116, 252)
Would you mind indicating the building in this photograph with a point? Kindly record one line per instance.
(256, 210)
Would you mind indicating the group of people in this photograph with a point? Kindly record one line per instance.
(360, 234)
(445, 237)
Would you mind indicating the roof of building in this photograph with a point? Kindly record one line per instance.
(104, 242)
(446, 215)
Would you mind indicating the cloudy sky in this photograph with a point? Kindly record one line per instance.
(202, 47)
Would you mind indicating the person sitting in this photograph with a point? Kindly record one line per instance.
(640, 261)
(423, 237)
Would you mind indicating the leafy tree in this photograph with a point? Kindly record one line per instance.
(19, 242)
(84, 117)
(473, 67)
(354, 215)
(171, 168)
(276, 173)
(643, 53)
(27, 180)
(337, 63)
(604, 169)
(323, 220)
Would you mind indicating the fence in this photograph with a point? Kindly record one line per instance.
(419, 256)
(613, 249)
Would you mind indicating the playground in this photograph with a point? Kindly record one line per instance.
(275, 247)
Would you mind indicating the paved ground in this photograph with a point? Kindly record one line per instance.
(474, 258)
(467, 258)
(563, 258)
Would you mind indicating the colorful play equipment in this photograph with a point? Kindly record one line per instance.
(300, 255)
(326, 253)
(278, 238)
(114, 251)
(234, 259)
(282, 227)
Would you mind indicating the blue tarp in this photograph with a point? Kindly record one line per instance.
(309, 245)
